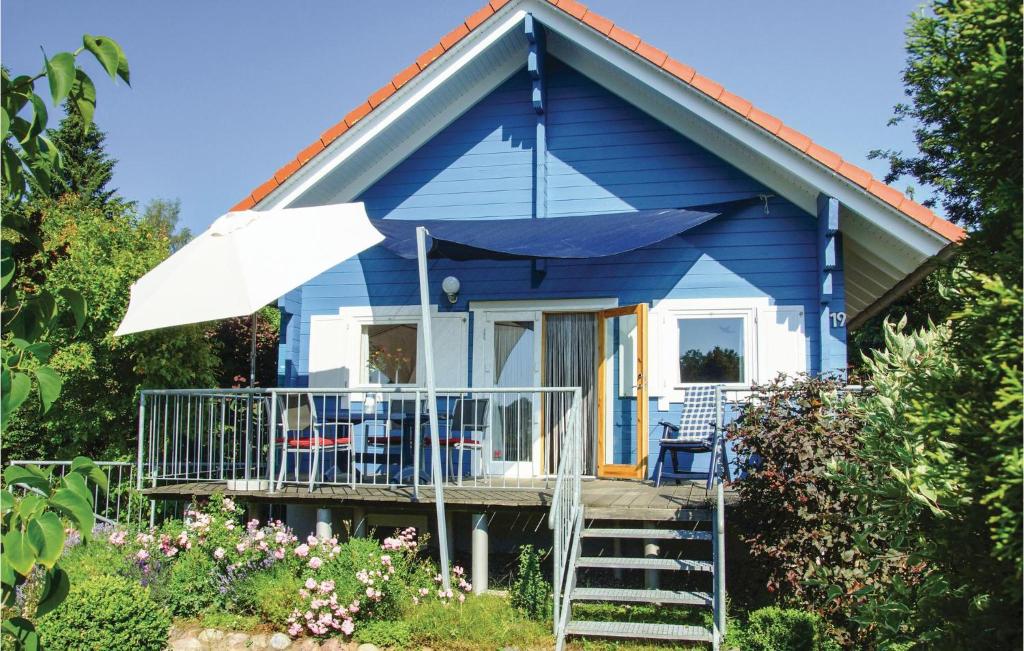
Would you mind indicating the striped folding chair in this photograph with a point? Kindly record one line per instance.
(699, 431)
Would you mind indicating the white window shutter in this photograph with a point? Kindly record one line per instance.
(451, 351)
(781, 341)
(331, 363)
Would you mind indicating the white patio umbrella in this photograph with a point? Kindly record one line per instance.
(245, 260)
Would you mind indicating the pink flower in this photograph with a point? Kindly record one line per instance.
(424, 592)
(302, 551)
(312, 541)
(142, 555)
(279, 553)
(118, 538)
(294, 630)
(347, 627)
(327, 586)
(462, 598)
(311, 584)
(241, 547)
(315, 562)
(218, 553)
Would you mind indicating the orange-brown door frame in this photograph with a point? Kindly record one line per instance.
(626, 471)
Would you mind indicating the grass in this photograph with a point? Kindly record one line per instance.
(483, 622)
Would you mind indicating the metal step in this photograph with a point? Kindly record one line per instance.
(647, 514)
(643, 596)
(640, 631)
(653, 534)
(645, 563)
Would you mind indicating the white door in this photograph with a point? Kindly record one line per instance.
(508, 345)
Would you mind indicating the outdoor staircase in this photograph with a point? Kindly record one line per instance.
(689, 557)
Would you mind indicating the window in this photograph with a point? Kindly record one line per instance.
(711, 350)
(390, 353)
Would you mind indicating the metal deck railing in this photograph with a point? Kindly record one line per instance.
(265, 439)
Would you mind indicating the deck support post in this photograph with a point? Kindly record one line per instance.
(358, 522)
(652, 578)
(449, 524)
(480, 552)
(323, 524)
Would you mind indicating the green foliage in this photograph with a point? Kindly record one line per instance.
(191, 586)
(394, 635)
(106, 612)
(482, 622)
(530, 592)
(792, 516)
(783, 629)
(269, 595)
(938, 479)
(163, 215)
(101, 251)
(964, 82)
(31, 159)
(33, 536)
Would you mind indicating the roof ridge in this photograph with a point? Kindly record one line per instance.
(657, 57)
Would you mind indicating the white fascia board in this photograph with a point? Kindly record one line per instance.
(546, 305)
(740, 130)
(382, 117)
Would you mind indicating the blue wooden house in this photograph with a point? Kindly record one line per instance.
(681, 237)
(538, 110)
(532, 110)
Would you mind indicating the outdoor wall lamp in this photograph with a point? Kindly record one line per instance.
(450, 286)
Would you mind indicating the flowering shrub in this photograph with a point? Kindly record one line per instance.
(212, 560)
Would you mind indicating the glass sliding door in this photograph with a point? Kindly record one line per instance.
(622, 419)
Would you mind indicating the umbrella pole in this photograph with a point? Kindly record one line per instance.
(435, 441)
(252, 354)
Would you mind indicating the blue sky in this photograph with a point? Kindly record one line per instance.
(224, 93)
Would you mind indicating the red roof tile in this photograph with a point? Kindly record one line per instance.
(658, 58)
(598, 22)
(652, 54)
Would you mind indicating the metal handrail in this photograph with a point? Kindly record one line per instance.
(566, 519)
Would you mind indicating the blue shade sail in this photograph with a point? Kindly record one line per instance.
(585, 236)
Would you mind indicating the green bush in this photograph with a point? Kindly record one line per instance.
(530, 592)
(191, 585)
(792, 515)
(271, 595)
(106, 612)
(784, 629)
(395, 635)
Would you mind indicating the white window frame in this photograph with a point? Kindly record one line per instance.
(747, 315)
(663, 340)
(364, 352)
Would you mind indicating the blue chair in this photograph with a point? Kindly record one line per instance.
(467, 429)
(699, 431)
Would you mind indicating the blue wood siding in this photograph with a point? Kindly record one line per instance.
(602, 155)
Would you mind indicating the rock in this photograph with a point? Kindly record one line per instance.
(279, 641)
(334, 644)
(259, 641)
(210, 635)
(187, 644)
(238, 642)
(306, 644)
(365, 646)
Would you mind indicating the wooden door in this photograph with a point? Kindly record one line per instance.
(622, 392)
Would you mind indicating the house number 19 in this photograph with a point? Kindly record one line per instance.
(838, 319)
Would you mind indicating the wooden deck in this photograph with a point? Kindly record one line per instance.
(610, 499)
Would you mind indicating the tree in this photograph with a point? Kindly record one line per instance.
(32, 161)
(963, 77)
(940, 471)
(104, 250)
(163, 215)
(86, 168)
